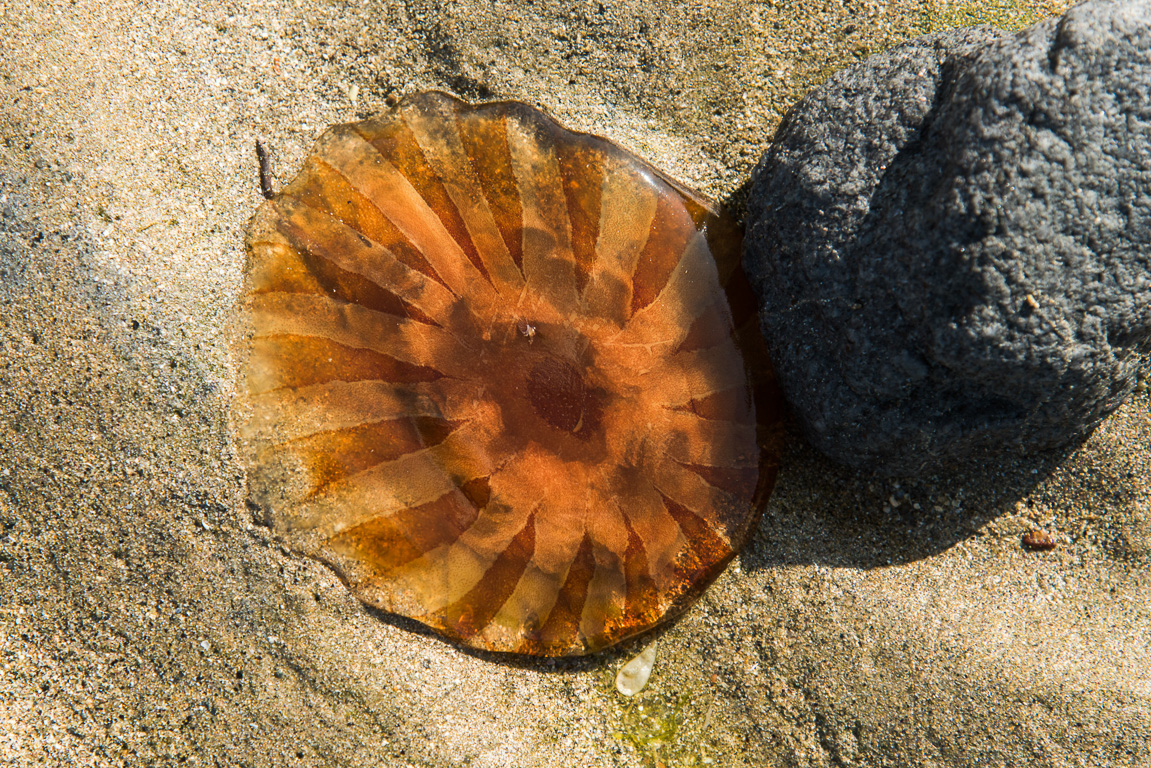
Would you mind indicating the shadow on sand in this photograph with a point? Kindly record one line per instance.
(826, 514)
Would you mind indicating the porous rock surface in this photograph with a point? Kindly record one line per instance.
(951, 242)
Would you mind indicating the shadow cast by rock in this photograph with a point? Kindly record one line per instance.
(827, 514)
(735, 202)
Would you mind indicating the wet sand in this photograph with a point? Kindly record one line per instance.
(146, 617)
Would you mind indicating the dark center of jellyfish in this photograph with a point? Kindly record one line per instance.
(557, 392)
(543, 378)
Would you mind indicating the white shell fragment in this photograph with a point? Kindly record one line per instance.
(633, 676)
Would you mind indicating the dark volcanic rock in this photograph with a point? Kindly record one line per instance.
(950, 241)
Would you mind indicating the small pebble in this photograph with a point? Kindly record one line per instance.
(634, 675)
(1038, 541)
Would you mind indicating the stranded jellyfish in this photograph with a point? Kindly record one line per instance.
(498, 376)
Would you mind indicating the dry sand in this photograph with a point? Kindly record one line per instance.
(146, 619)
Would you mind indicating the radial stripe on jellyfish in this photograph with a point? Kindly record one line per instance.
(503, 377)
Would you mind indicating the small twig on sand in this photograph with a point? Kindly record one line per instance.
(265, 170)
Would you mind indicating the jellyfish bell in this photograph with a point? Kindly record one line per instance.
(503, 377)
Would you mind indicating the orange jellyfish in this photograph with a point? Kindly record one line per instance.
(498, 375)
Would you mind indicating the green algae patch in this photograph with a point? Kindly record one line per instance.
(668, 731)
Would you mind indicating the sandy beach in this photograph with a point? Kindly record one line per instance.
(147, 617)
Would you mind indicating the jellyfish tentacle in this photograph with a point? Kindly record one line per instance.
(292, 414)
(436, 131)
(549, 267)
(695, 373)
(374, 176)
(413, 479)
(563, 620)
(388, 542)
(623, 234)
(606, 590)
(702, 543)
(695, 495)
(712, 442)
(642, 596)
(308, 315)
(684, 298)
(672, 228)
(329, 238)
(445, 577)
